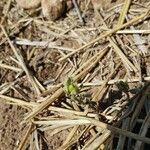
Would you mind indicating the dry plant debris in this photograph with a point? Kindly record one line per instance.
(75, 74)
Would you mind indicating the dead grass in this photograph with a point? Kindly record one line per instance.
(106, 51)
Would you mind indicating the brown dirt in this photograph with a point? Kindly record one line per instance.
(10, 129)
(44, 65)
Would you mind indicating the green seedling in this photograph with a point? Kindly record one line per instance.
(71, 87)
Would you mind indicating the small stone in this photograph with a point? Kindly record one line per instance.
(28, 4)
(53, 9)
(10, 77)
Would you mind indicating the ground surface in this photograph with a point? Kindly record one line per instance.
(43, 63)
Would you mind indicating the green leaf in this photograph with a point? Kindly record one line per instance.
(71, 87)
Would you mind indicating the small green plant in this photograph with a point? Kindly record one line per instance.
(73, 93)
(71, 87)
